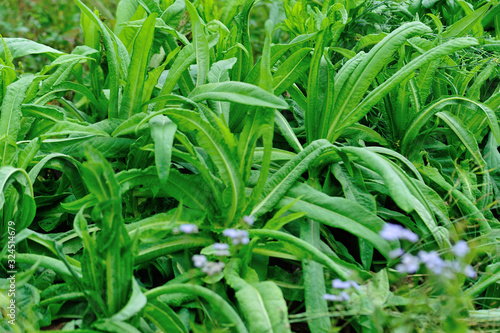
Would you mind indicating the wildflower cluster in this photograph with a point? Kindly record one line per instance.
(237, 236)
(343, 296)
(431, 260)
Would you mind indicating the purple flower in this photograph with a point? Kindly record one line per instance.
(409, 264)
(342, 297)
(199, 260)
(470, 272)
(339, 284)
(460, 249)
(250, 220)
(221, 249)
(211, 268)
(392, 231)
(237, 236)
(396, 253)
(432, 261)
(188, 228)
(354, 285)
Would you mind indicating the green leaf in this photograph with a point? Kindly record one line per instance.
(200, 44)
(163, 132)
(225, 313)
(135, 304)
(314, 280)
(338, 213)
(275, 305)
(276, 187)
(367, 68)
(291, 70)
(69, 128)
(425, 115)
(396, 186)
(307, 249)
(164, 317)
(463, 26)
(132, 96)
(464, 135)
(117, 58)
(20, 47)
(237, 92)
(361, 108)
(262, 304)
(49, 112)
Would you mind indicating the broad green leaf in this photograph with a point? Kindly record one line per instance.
(28, 153)
(222, 155)
(351, 93)
(117, 59)
(132, 96)
(360, 109)
(425, 115)
(237, 92)
(69, 128)
(20, 47)
(314, 280)
(262, 303)
(125, 10)
(10, 116)
(464, 135)
(276, 187)
(174, 13)
(134, 305)
(463, 26)
(50, 112)
(399, 191)
(162, 132)
(200, 44)
(164, 317)
(275, 305)
(338, 213)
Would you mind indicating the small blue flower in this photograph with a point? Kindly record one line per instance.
(470, 272)
(339, 284)
(188, 228)
(211, 268)
(237, 236)
(250, 220)
(342, 297)
(396, 253)
(409, 264)
(199, 260)
(460, 249)
(392, 232)
(221, 249)
(432, 261)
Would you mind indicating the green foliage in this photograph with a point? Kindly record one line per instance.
(192, 167)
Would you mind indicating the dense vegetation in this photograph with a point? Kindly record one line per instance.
(243, 166)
